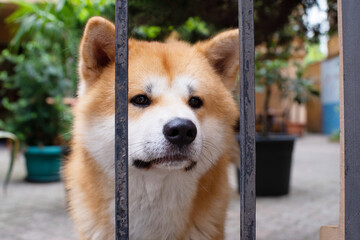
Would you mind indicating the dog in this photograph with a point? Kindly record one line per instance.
(181, 117)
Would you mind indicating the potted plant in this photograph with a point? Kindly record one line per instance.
(35, 77)
(274, 150)
(299, 91)
(38, 71)
(42, 57)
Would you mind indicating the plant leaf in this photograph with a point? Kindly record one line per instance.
(14, 150)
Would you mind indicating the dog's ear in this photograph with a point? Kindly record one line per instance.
(222, 52)
(97, 49)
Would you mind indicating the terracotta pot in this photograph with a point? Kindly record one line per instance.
(293, 128)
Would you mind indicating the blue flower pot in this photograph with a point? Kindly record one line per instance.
(43, 163)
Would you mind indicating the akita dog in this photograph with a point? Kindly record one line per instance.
(181, 118)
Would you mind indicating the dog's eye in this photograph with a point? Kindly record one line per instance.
(140, 100)
(195, 102)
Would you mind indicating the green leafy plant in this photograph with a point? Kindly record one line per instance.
(299, 88)
(335, 136)
(195, 29)
(14, 149)
(267, 74)
(192, 30)
(36, 76)
(296, 89)
(43, 56)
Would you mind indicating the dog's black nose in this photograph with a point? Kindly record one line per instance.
(180, 131)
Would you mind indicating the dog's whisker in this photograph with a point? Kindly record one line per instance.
(206, 157)
(211, 150)
(208, 143)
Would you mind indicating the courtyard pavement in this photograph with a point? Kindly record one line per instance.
(38, 211)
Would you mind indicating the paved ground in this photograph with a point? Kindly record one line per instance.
(38, 211)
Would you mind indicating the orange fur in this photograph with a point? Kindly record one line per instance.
(213, 64)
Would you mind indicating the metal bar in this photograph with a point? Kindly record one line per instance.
(350, 61)
(121, 121)
(247, 120)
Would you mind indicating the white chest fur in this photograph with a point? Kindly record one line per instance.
(159, 203)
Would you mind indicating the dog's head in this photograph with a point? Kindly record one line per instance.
(181, 111)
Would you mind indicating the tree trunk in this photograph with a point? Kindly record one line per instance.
(264, 131)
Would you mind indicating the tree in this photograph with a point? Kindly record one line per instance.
(332, 16)
(271, 18)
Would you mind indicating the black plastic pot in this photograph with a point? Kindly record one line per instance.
(273, 164)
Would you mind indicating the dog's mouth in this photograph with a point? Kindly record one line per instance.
(170, 162)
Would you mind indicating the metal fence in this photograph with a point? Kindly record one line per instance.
(350, 63)
(351, 116)
(121, 120)
(247, 120)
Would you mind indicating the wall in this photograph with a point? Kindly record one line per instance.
(313, 106)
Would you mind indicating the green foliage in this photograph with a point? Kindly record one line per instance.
(299, 89)
(43, 54)
(280, 19)
(147, 32)
(34, 121)
(313, 54)
(61, 23)
(335, 136)
(271, 72)
(332, 13)
(195, 29)
(192, 30)
(268, 72)
(14, 149)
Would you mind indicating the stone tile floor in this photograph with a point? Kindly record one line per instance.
(38, 211)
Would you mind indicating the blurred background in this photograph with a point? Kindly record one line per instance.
(297, 98)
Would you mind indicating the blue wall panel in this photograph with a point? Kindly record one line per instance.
(330, 118)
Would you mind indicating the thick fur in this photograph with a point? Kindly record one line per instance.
(167, 201)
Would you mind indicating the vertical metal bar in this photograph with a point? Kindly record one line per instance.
(349, 30)
(121, 121)
(247, 120)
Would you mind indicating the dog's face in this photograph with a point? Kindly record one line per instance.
(180, 110)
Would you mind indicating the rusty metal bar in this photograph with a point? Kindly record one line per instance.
(247, 121)
(121, 121)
